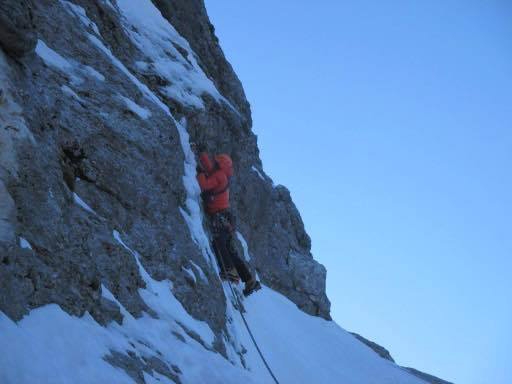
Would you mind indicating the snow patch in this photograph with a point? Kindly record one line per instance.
(24, 243)
(83, 204)
(190, 273)
(93, 73)
(52, 58)
(142, 87)
(81, 14)
(69, 67)
(68, 91)
(199, 271)
(258, 172)
(142, 112)
(245, 248)
(158, 296)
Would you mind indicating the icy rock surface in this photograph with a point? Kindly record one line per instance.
(106, 272)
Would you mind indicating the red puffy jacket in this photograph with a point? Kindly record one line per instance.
(214, 181)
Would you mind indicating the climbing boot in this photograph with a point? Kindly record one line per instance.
(231, 275)
(251, 286)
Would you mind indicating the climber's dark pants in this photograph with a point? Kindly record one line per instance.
(222, 229)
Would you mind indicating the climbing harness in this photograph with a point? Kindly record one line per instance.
(239, 308)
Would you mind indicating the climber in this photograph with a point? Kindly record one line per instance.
(214, 179)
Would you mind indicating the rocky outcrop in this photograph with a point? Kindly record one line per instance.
(380, 350)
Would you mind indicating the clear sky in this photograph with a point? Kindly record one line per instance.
(391, 124)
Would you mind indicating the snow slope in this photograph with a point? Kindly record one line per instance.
(49, 346)
(305, 349)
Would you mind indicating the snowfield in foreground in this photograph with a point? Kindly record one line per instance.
(49, 346)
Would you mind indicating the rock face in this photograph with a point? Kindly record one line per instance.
(95, 125)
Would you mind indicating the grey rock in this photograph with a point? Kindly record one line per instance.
(17, 33)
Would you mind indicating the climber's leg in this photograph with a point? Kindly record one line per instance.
(240, 265)
(222, 253)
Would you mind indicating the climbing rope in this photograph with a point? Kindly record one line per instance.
(239, 308)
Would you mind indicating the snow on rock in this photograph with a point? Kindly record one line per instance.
(83, 204)
(168, 54)
(258, 173)
(93, 73)
(81, 14)
(68, 91)
(245, 248)
(24, 243)
(51, 57)
(69, 67)
(199, 271)
(190, 274)
(142, 112)
(158, 296)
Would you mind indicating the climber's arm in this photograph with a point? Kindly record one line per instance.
(206, 163)
(207, 183)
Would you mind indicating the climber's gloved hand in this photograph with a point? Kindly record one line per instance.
(198, 148)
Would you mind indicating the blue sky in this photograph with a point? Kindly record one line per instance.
(391, 124)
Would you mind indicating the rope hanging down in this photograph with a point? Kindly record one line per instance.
(246, 324)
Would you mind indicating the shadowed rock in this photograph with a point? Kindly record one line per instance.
(17, 33)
